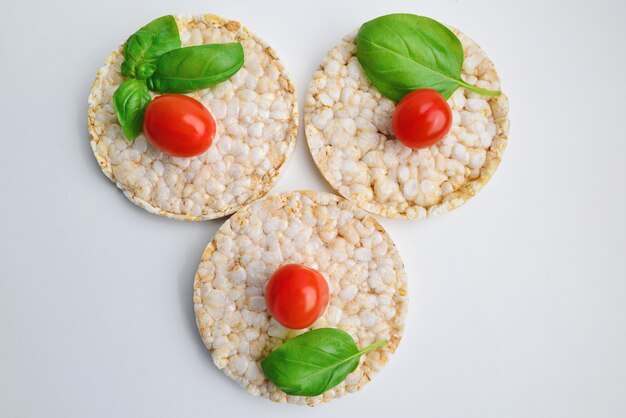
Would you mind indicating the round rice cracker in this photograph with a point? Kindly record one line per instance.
(349, 247)
(348, 129)
(257, 123)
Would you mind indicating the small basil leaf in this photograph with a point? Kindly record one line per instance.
(403, 52)
(193, 68)
(130, 101)
(147, 44)
(314, 362)
(145, 70)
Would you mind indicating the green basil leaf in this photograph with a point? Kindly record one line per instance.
(313, 362)
(145, 46)
(145, 70)
(403, 52)
(130, 101)
(195, 68)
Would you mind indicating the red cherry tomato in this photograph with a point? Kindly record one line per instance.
(421, 119)
(296, 296)
(178, 125)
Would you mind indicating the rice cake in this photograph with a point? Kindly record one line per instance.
(257, 123)
(367, 282)
(348, 129)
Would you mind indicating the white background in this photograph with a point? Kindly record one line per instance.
(517, 299)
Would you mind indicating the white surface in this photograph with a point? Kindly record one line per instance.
(518, 299)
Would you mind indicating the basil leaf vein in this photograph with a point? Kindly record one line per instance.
(401, 53)
(130, 101)
(314, 362)
(193, 68)
(144, 47)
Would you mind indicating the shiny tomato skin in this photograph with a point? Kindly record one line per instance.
(421, 119)
(296, 296)
(178, 125)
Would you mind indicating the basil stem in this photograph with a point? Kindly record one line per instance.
(479, 90)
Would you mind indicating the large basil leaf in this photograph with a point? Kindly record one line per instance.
(130, 101)
(313, 362)
(403, 52)
(194, 68)
(145, 46)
